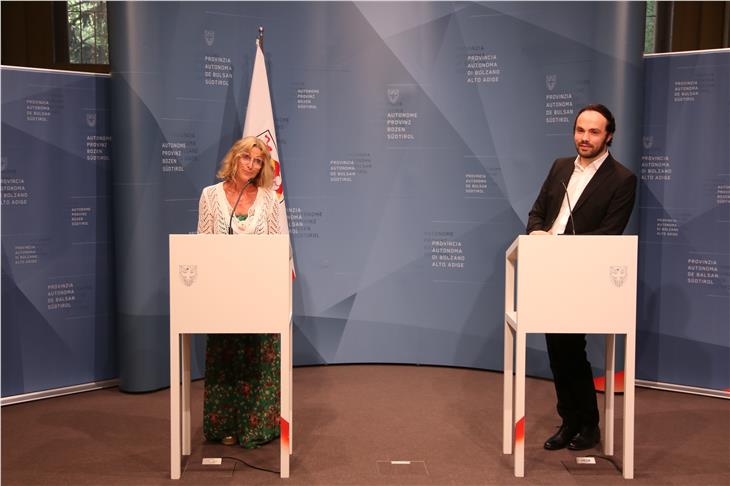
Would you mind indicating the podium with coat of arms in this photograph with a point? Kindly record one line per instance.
(569, 284)
(202, 269)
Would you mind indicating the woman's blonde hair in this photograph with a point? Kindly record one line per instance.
(229, 164)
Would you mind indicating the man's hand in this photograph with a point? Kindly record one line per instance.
(540, 232)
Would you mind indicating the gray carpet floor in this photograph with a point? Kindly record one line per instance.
(350, 422)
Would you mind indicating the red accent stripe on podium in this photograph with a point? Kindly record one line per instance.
(520, 430)
(599, 382)
(284, 431)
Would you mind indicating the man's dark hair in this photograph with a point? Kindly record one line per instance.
(610, 127)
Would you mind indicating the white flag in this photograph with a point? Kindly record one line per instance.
(260, 123)
(260, 116)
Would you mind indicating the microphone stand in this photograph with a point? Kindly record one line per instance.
(233, 211)
(570, 208)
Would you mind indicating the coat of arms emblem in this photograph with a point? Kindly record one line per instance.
(617, 274)
(209, 36)
(188, 274)
(393, 95)
(550, 81)
(91, 119)
(648, 141)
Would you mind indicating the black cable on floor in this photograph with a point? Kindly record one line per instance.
(606, 458)
(250, 465)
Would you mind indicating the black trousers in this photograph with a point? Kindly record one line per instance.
(573, 376)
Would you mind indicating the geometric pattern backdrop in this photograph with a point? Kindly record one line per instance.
(683, 333)
(413, 138)
(57, 294)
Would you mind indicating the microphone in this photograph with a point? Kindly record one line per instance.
(233, 211)
(572, 221)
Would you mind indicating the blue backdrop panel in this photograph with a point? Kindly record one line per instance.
(57, 313)
(684, 298)
(413, 139)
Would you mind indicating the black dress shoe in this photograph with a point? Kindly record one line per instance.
(587, 438)
(561, 438)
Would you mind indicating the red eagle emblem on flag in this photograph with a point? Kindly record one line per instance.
(268, 139)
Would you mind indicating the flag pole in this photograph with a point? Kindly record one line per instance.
(261, 37)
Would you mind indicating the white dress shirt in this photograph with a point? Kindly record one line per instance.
(578, 182)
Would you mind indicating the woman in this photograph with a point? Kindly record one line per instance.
(241, 402)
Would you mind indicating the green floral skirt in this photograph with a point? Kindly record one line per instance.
(242, 397)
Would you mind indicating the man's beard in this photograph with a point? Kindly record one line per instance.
(593, 153)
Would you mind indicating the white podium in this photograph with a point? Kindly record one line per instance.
(207, 274)
(569, 284)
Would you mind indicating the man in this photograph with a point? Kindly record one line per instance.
(601, 193)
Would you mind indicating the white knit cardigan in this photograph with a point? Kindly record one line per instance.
(265, 216)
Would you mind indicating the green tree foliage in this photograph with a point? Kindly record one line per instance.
(88, 38)
(650, 31)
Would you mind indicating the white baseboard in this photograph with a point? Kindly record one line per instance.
(708, 392)
(58, 392)
(98, 385)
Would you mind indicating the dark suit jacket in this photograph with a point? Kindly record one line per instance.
(603, 208)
